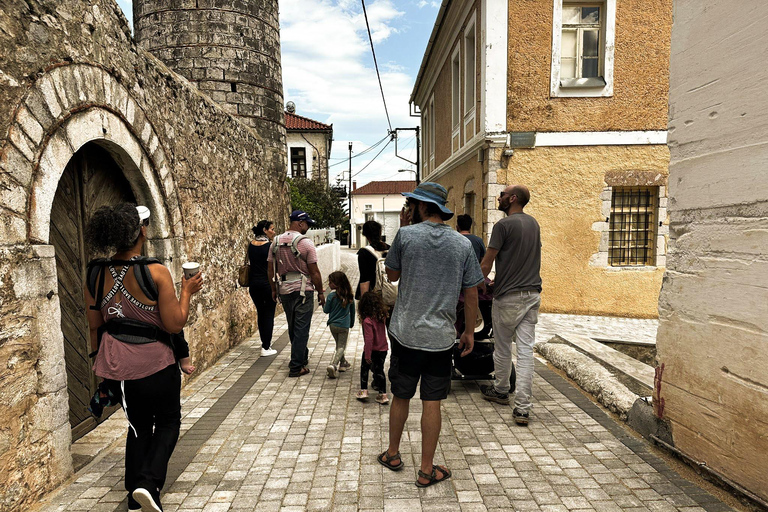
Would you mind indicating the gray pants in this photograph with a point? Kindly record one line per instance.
(514, 321)
(340, 334)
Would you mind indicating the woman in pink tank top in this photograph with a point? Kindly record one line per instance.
(146, 371)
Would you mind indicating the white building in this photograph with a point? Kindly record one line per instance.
(308, 146)
(380, 201)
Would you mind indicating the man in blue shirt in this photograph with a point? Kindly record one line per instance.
(434, 264)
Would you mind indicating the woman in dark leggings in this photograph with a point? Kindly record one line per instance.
(144, 375)
(259, 288)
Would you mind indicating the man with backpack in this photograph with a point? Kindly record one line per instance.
(433, 263)
(294, 277)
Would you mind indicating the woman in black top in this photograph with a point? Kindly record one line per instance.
(366, 261)
(258, 287)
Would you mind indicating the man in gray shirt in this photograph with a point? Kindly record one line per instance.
(515, 245)
(434, 264)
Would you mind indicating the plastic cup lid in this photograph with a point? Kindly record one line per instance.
(143, 213)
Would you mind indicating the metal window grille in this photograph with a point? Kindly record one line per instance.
(632, 227)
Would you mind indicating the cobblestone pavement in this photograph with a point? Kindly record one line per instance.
(254, 439)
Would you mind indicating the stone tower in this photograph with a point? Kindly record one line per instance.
(229, 48)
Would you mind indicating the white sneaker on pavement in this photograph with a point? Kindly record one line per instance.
(268, 352)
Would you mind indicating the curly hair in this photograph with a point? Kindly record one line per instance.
(262, 226)
(113, 227)
(372, 306)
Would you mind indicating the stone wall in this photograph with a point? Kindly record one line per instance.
(70, 74)
(712, 378)
(229, 48)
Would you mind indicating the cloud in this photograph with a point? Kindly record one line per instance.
(423, 3)
(328, 72)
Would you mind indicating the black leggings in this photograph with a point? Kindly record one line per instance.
(265, 307)
(378, 357)
(153, 407)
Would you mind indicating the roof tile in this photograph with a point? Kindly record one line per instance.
(297, 122)
(385, 187)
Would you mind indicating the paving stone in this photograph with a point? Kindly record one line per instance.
(253, 439)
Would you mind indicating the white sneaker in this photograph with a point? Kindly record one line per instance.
(265, 352)
(333, 372)
(146, 500)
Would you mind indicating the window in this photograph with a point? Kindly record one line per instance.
(298, 163)
(469, 68)
(456, 99)
(582, 48)
(368, 207)
(469, 203)
(632, 226)
(470, 78)
(431, 139)
(580, 51)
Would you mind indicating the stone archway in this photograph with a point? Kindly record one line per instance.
(65, 109)
(132, 171)
(90, 180)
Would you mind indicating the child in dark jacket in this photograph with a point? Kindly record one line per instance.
(340, 307)
(373, 317)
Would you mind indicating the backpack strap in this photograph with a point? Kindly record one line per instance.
(144, 277)
(376, 254)
(295, 245)
(95, 274)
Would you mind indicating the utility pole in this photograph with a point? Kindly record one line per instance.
(417, 163)
(349, 235)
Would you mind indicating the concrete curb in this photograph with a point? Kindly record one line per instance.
(590, 376)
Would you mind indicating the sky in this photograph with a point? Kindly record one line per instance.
(328, 73)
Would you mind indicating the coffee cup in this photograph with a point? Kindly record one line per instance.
(190, 268)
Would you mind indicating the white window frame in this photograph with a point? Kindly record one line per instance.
(470, 76)
(456, 97)
(431, 139)
(368, 208)
(584, 87)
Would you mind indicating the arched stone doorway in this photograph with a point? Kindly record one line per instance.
(90, 180)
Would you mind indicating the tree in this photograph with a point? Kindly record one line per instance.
(320, 201)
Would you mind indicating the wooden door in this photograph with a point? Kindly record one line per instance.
(90, 180)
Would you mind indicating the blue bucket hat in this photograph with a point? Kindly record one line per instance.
(430, 192)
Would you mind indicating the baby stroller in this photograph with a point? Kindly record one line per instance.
(478, 365)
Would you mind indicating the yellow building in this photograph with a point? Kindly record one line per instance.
(569, 99)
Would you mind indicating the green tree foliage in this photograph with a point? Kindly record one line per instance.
(319, 201)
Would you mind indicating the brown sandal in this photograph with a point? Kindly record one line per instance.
(386, 460)
(432, 478)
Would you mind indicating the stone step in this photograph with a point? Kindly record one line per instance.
(634, 374)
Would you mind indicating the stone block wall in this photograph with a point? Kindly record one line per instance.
(229, 48)
(69, 75)
(712, 380)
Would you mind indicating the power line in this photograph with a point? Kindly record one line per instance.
(373, 159)
(376, 65)
(366, 150)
